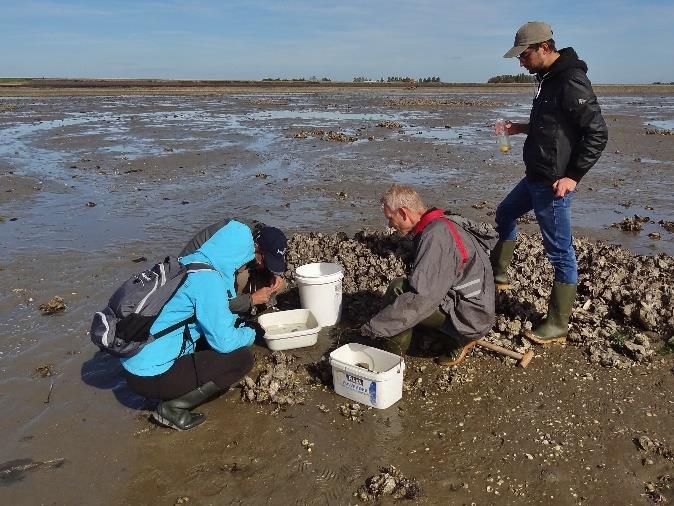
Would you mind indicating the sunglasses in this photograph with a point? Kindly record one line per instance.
(531, 49)
(524, 54)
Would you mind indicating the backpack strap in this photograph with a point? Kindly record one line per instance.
(457, 238)
(199, 266)
(194, 267)
(439, 215)
(175, 326)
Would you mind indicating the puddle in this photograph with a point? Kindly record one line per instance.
(455, 134)
(655, 162)
(665, 124)
(412, 176)
(110, 130)
(60, 246)
(329, 116)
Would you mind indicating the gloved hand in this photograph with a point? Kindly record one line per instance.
(259, 331)
(366, 331)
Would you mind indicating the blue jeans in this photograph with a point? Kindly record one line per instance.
(554, 219)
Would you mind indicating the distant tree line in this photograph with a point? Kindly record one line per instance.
(507, 78)
(396, 79)
(311, 79)
(658, 82)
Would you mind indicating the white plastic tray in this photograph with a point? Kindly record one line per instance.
(285, 330)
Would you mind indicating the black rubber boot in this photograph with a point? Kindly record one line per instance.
(555, 326)
(176, 412)
(500, 258)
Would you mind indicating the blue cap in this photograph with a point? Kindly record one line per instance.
(273, 244)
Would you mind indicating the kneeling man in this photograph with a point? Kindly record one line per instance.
(450, 287)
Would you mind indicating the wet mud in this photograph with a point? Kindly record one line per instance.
(92, 189)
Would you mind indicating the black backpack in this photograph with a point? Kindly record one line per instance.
(122, 328)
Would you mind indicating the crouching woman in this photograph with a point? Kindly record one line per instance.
(191, 364)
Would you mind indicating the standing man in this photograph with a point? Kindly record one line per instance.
(566, 135)
(450, 288)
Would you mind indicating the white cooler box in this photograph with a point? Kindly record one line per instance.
(367, 375)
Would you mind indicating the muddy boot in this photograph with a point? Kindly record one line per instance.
(398, 344)
(176, 412)
(457, 351)
(555, 326)
(500, 258)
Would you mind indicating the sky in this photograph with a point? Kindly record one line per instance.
(622, 41)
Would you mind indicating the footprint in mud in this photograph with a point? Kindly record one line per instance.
(329, 487)
(302, 465)
(326, 475)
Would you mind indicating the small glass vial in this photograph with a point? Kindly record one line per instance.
(502, 136)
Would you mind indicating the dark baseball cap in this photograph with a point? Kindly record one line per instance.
(272, 243)
(529, 33)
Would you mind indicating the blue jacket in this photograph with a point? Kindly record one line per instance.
(206, 294)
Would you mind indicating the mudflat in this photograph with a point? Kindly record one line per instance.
(95, 184)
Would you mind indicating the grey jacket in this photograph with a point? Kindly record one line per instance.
(440, 279)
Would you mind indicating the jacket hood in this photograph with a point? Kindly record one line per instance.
(227, 250)
(568, 59)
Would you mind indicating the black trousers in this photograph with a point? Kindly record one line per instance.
(191, 371)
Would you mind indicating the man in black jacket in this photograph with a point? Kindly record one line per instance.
(566, 135)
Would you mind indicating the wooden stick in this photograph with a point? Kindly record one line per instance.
(49, 394)
(523, 360)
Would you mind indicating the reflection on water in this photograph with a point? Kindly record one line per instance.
(464, 134)
(331, 116)
(83, 144)
(412, 175)
(665, 124)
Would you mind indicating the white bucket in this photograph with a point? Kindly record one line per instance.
(320, 287)
(367, 375)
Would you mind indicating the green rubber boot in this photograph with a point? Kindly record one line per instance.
(176, 412)
(398, 344)
(457, 351)
(555, 326)
(500, 258)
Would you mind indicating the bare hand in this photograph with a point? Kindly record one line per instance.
(278, 284)
(516, 128)
(261, 296)
(563, 186)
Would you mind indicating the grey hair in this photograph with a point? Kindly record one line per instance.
(398, 196)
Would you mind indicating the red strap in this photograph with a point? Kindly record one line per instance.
(457, 239)
(439, 214)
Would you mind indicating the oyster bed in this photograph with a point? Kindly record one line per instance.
(623, 313)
